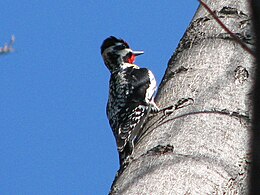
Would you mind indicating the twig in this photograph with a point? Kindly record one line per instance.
(242, 44)
(8, 47)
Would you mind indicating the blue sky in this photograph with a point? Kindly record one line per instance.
(55, 137)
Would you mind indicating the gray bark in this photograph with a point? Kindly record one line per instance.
(202, 148)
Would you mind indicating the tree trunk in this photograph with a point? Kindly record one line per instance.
(202, 148)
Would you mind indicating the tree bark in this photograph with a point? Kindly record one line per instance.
(202, 148)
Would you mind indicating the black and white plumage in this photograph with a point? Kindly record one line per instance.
(131, 94)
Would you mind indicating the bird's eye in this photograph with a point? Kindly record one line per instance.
(126, 44)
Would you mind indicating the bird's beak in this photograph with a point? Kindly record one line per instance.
(137, 53)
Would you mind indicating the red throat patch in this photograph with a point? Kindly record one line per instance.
(131, 60)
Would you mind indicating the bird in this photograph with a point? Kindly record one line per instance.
(131, 94)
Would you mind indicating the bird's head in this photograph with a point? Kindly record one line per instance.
(116, 52)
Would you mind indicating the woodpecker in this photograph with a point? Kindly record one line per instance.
(131, 94)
